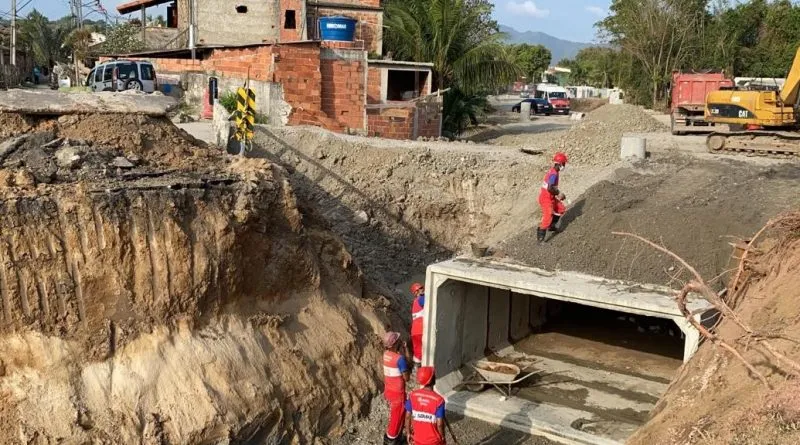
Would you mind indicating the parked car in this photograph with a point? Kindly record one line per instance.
(538, 106)
(121, 75)
(524, 94)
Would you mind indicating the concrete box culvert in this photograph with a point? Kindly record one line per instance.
(604, 350)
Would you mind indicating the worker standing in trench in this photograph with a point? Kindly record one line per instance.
(396, 372)
(425, 411)
(417, 309)
(551, 199)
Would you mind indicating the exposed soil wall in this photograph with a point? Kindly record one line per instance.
(153, 299)
(715, 400)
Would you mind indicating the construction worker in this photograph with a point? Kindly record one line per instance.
(425, 421)
(417, 309)
(551, 199)
(396, 372)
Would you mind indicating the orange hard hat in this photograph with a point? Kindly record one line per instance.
(416, 287)
(560, 158)
(425, 375)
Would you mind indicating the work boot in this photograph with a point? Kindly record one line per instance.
(540, 234)
(387, 441)
(553, 227)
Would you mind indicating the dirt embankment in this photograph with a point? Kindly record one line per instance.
(715, 400)
(696, 207)
(153, 292)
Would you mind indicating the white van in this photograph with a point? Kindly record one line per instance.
(556, 95)
(121, 75)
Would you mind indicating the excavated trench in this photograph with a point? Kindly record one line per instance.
(154, 291)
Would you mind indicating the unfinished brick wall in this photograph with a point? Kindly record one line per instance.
(296, 33)
(343, 89)
(369, 28)
(392, 123)
(374, 85)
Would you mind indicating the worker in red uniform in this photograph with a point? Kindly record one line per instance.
(425, 419)
(417, 309)
(396, 372)
(551, 199)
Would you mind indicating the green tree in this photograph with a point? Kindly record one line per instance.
(44, 39)
(467, 55)
(661, 35)
(123, 39)
(531, 59)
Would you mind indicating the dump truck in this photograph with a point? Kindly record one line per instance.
(688, 99)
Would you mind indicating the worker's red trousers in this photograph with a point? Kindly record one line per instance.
(416, 346)
(397, 417)
(550, 207)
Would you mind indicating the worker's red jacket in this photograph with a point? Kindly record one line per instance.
(426, 407)
(416, 315)
(550, 180)
(394, 386)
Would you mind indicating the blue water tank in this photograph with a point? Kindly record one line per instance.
(338, 28)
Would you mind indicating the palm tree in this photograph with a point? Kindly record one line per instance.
(467, 58)
(449, 34)
(44, 39)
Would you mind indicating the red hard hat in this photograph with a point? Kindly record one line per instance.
(416, 287)
(425, 375)
(560, 158)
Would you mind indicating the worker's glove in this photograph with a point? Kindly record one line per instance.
(562, 197)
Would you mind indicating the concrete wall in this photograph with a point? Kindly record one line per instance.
(218, 23)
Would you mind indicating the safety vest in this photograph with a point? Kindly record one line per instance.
(545, 192)
(424, 404)
(416, 317)
(394, 386)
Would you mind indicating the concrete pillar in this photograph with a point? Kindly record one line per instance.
(525, 111)
(537, 312)
(632, 147)
(692, 340)
(520, 316)
(499, 310)
(476, 305)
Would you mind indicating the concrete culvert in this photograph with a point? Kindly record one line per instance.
(603, 351)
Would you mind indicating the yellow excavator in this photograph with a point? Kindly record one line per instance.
(760, 122)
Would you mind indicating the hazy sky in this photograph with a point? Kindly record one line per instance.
(567, 19)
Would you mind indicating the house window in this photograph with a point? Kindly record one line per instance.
(289, 21)
(405, 84)
(241, 9)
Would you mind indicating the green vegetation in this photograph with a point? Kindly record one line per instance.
(533, 60)
(462, 42)
(228, 101)
(648, 39)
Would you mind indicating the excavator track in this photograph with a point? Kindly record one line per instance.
(761, 143)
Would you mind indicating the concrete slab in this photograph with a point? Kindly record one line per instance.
(47, 102)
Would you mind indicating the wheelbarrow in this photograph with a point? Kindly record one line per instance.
(502, 376)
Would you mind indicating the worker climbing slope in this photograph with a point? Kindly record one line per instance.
(396, 372)
(425, 411)
(417, 323)
(551, 199)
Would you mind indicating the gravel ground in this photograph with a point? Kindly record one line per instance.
(369, 431)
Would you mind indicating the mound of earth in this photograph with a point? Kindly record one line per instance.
(696, 207)
(594, 140)
(153, 291)
(715, 400)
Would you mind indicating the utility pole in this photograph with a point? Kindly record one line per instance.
(14, 32)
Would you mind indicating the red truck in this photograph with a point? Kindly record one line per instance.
(689, 99)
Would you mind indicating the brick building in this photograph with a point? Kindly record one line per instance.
(298, 78)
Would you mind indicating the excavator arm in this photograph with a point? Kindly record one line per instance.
(791, 88)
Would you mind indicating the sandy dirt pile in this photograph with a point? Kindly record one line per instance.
(697, 207)
(152, 296)
(401, 205)
(715, 400)
(592, 141)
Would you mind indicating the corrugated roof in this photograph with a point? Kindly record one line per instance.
(136, 5)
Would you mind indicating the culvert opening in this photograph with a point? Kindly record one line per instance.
(606, 339)
(598, 353)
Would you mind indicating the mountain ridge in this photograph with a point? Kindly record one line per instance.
(560, 48)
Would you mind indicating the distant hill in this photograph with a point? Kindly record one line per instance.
(558, 47)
